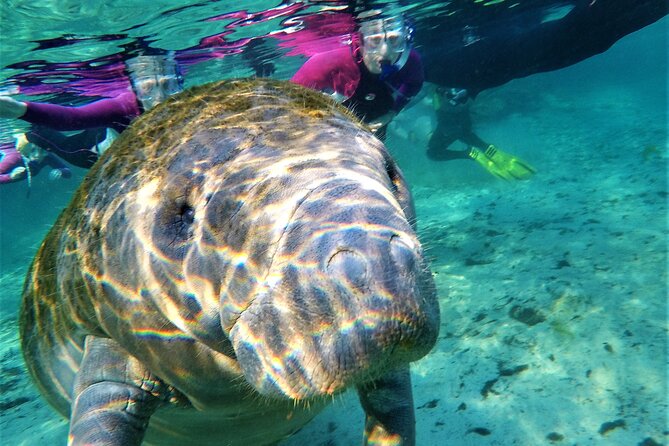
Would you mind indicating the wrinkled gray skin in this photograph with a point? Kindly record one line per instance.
(242, 253)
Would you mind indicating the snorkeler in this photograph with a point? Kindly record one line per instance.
(454, 123)
(375, 76)
(24, 160)
(152, 79)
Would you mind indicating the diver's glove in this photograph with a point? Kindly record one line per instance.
(11, 108)
(457, 96)
(55, 175)
(501, 164)
(454, 96)
(17, 173)
(102, 146)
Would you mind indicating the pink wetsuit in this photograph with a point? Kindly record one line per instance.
(115, 113)
(368, 95)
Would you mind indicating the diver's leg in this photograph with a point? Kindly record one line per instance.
(472, 139)
(437, 147)
(465, 133)
(77, 149)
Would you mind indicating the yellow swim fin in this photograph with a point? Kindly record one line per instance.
(501, 164)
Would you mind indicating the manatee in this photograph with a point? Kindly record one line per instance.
(241, 254)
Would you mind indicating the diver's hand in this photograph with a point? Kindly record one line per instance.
(457, 96)
(381, 121)
(375, 126)
(11, 108)
(55, 174)
(17, 172)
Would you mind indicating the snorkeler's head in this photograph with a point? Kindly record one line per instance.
(385, 44)
(28, 150)
(154, 78)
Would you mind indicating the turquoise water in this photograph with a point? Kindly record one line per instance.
(582, 246)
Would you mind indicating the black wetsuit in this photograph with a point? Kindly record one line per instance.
(486, 46)
(77, 149)
(372, 98)
(454, 123)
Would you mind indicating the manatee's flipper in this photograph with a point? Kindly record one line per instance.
(501, 164)
(388, 406)
(114, 397)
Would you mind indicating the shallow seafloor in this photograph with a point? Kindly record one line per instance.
(553, 291)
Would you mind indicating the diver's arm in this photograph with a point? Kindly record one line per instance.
(334, 72)
(10, 159)
(112, 112)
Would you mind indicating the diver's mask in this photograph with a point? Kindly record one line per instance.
(387, 41)
(29, 151)
(154, 78)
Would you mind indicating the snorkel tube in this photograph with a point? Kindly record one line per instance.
(388, 69)
(29, 176)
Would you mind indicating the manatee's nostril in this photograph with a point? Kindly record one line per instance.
(402, 254)
(349, 266)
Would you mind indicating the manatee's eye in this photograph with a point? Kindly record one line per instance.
(179, 216)
(173, 227)
(180, 203)
(185, 217)
(187, 214)
(393, 175)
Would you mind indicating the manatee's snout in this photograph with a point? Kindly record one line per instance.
(385, 289)
(348, 297)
